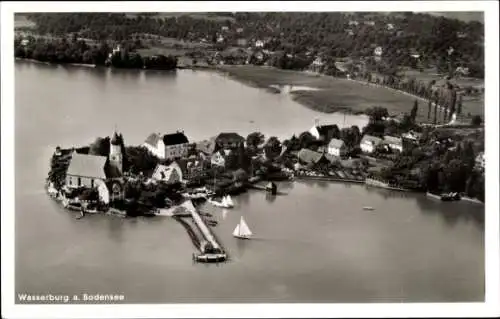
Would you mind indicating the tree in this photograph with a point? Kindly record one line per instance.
(453, 101)
(429, 109)
(306, 140)
(414, 111)
(377, 113)
(273, 147)
(459, 105)
(476, 120)
(100, 147)
(255, 139)
(436, 105)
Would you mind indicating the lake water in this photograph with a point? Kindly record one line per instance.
(314, 244)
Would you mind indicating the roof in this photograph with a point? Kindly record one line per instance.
(167, 171)
(370, 138)
(153, 139)
(175, 138)
(336, 143)
(87, 166)
(324, 129)
(393, 139)
(231, 136)
(309, 156)
(115, 140)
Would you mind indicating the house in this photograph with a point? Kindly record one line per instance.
(307, 156)
(219, 158)
(229, 140)
(317, 65)
(369, 143)
(224, 28)
(390, 26)
(323, 132)
(259, 44)
(167, 146)
(191, 167)
(370, 23)
(239, 30)
(170, 174)
(337, 147)
(353, 22)
(176, 145)
(25, 42)
(378, 51)
(462, 71)
(395, 143)
(349, 31)
(480, 160)
(85, 170)
(413, 137)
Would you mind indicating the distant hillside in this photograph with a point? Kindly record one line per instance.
(465, 16)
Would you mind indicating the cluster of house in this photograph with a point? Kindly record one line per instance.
(368, 144)
(92, 171)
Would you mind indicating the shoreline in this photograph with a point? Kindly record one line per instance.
(52, 63)
(301, 97)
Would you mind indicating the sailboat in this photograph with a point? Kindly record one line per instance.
(242, 231)
(228, 201)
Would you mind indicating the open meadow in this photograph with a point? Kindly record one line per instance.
(334, 94)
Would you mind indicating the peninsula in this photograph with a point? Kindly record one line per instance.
(168, 175)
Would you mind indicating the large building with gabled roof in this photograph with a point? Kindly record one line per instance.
(169, 146)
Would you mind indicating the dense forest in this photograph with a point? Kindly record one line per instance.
(79, 51)
(334, 34)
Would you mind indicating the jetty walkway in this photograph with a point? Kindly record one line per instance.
(200, 233)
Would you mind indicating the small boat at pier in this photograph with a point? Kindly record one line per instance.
(445, 197)
(226, 202)
(242, 231)
(209, 258)
(229, 201)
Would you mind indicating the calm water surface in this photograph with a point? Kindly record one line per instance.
(314, 244)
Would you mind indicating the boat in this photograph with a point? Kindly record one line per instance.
(450, 197)
(229, 201)
(445, 197)
(224, 203)
(207, 258)
(242, 231)
(368, 208)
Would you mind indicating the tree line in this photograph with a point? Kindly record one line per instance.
(295, 32)
(64, 51)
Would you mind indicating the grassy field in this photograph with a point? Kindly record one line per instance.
(334, 94)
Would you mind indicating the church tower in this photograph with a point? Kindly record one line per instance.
(115, 153)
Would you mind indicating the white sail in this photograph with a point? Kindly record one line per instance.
(229, 201)
(236, 232)
(224, 202)
(244, 230)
